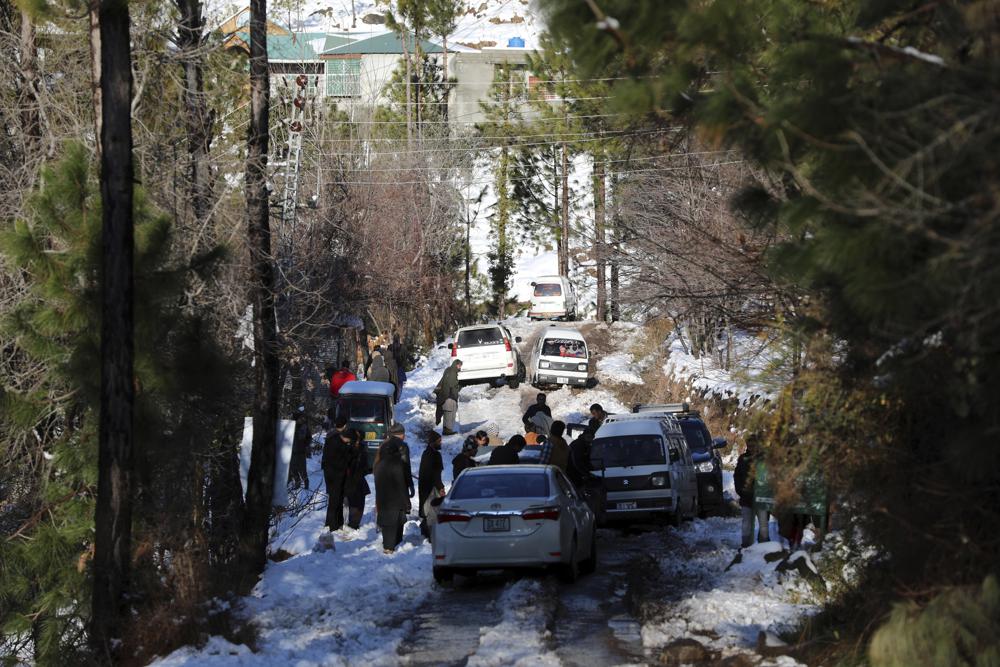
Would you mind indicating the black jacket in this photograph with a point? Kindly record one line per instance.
(579, 468)
(429, 477)
(742, 480)
(302, 439)
(533, 410)
(336, 453)
(404, 449)
(391, 477)
(460, 463)
(357, 468)
(504, 455)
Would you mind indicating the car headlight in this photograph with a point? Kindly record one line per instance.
(543, 364)
(582, 368)
(707, 466)
(660, 481)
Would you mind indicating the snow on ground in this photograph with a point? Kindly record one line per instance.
(528, 604)
(746, 379)
(621, 366)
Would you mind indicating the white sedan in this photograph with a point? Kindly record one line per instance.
(516, 516)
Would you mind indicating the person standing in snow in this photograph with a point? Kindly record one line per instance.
(297, 474)
(743, 480)
(398, 354)
(336, 459)
(559, 456)
(464, 459)
(538, 406)
(446, 394)
(508, 454)
(429, 476)
(393, 490)
(355, 485)
(378, 372)
(340, 377)
(579, 468)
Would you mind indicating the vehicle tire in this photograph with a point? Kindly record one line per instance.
(444, 575)
(570, 572)
(590, 565)
(674, 519)
(513, 381)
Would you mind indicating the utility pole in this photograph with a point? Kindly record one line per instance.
(564, 257)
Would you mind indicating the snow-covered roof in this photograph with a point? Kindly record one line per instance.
(563, 332)
(365, 387)
(626, 425)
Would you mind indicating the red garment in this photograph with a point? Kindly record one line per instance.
(338, 379)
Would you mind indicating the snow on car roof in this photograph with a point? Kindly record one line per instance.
(626, 427)
(368, 387)
(561, 332)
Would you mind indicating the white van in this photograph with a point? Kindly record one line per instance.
(647, 467)
(559, 357)
(552, 298)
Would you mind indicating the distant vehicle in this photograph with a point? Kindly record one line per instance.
(523, 516)
(553, 298)
(367, 407)
(704, 452)
(489, 354)
(560, 357)
(647, 467)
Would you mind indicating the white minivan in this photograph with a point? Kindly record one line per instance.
(552, 298)
(559, 357)
(646, 466)
(489, 354)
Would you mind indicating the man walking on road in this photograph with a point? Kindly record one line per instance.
(336, 459)
(429, 477)
(393, 489)
(745, 489)
(355, 485)
(446, 393)
(378, 372)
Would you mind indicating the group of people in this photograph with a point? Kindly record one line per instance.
(385, 364)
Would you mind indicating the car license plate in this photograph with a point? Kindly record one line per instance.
(500, 524)
(628, 506)
(562, 380)
(370, 435)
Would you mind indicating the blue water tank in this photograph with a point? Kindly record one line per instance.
(516, 42)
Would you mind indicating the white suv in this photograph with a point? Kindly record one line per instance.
(488, 353)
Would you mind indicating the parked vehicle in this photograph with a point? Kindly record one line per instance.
(521, 516)
(367, 407)
(553, 298)
(704, 452)
(489, 354)
(559, 357)
(647, 467)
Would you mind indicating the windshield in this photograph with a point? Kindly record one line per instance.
(477, 337)
(502, 485)
(695, 435)
(361, 409)
(564, 347)
(627, 450)
(548, 289)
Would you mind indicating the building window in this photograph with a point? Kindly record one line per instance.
(343, 77)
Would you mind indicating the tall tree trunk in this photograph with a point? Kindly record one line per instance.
(564, 235)
(403, 37)
(260, 479)
(600, 192)
(197, 119)
(468, 265)
(31, 126)
(95, 70)
(113, 519)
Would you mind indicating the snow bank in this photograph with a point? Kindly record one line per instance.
(745, 381)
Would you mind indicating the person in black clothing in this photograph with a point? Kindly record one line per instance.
(297, 474)
(355, 485)
(579, 468)
(392, 492)
(429, 477)
(743, 480)
(538, 406)
(508, 454)
(398, 433)
(597, 413)
(336, 459)
(464, 459)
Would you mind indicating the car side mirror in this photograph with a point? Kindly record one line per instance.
(517, 339)
(675, 456)
(451, 346)
(719, 443)
(533, 284)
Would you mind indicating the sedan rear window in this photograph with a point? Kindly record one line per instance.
(478, 337)
(548, 289)
(501, 485)
(627, 450)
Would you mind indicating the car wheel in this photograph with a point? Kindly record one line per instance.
(443, 575)
(674, 519)
(590, 564)
(513, 381)
(570, 572)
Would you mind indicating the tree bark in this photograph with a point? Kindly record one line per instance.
(95, 71)
(564, 235)
(260, 479)
(113, 519)
(30, 119)
(600, 190)
(197, 119)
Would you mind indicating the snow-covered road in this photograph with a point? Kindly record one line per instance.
(355, 605)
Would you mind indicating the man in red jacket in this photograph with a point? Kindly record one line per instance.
(339, 377)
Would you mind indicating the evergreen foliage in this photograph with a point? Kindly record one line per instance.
(182, 380)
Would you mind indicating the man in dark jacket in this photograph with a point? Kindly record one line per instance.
(538, 406)
(429, 477)
(579, 468)
(355, 485)
(464, 459)
(336, 459)
(508, 454)
(743, 480)
(393, 490)
(297, 474)
(446, 393)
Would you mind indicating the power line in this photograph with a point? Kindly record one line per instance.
(489, 138)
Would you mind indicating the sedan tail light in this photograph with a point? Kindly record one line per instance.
(448, 516)
(538, 513)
